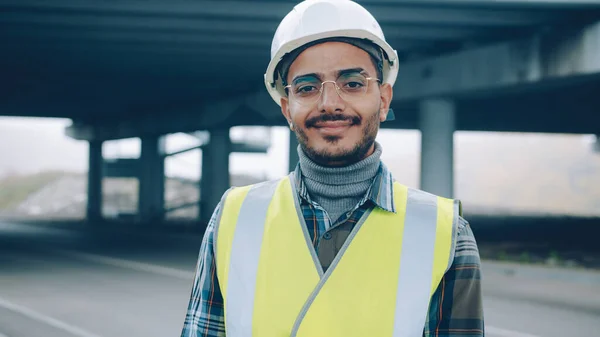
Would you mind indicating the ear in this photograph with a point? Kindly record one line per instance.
(285, 111)
(387, 94)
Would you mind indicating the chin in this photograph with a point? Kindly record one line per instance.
(335, 147)
(336, 154)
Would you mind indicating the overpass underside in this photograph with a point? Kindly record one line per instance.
(128, 69)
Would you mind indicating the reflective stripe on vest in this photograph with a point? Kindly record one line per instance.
(378, 284)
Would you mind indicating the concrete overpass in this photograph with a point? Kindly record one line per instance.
(149, 68)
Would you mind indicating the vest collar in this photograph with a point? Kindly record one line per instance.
(381, 191)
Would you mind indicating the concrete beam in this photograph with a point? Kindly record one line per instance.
(275, 11)
(152, 25)
(157, 39)
(178, 52)
(122, 167)
(520, 64)
(208, 116)
(132, 167)
(235, 147)
(496, 4)
(248, 148)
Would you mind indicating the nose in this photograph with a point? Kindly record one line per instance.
(330, 100)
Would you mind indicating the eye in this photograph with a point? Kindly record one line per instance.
(354, 85)
(305, 89)
(352, 82)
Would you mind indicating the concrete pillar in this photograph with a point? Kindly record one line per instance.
(215, 178)
(293, 152)
(204, 211)
(437, 124)
(94, 188)
(596, 145)
(151, 192)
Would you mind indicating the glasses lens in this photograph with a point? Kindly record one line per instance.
(353, 86)
(350, 87)
(306, 91)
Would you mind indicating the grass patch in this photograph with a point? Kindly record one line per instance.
(15, 189)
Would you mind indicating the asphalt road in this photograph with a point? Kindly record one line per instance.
(65, 283)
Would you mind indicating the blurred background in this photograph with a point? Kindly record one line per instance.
(122, 123)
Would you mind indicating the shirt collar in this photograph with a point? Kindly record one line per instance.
(381, 191)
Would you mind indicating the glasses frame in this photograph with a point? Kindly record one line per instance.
(337, 89)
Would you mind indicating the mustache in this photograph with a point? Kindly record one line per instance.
(312, 122)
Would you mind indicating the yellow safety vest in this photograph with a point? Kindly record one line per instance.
(380, 283)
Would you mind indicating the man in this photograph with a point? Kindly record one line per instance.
(336, 248)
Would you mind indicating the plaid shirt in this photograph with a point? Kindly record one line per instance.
(456, 308)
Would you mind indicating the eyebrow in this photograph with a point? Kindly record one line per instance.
(350, 71)
(337, 74)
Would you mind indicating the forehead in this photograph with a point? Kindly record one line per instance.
(329, 57)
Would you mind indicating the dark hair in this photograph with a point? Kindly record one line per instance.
(378, 67)
(374, 51)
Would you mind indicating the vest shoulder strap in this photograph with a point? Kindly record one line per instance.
(448, 211)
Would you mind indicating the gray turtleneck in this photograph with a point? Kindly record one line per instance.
(339, 189)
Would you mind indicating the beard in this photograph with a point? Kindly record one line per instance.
(327, 157)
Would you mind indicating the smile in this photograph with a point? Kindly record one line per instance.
(333, 124)
(331, 128)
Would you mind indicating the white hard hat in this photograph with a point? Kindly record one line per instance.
(314, 20)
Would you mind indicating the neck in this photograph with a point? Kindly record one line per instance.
(345, 163)
(356, 172)
(339, 189)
